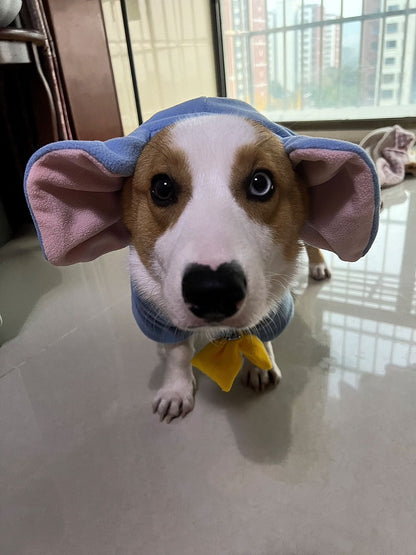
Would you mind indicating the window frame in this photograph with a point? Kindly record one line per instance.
(349, 129)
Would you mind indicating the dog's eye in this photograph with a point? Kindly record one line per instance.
(261, 186)
(163, 190)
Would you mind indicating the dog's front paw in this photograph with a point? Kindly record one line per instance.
(260, 380)
(319, 271)
(174, 400)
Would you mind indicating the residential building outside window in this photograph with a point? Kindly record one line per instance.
(308, 60)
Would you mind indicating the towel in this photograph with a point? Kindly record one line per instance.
(411, 164)
(389, 148)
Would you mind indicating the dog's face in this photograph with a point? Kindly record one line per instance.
(214, 209)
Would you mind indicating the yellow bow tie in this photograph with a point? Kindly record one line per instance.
(221, 359)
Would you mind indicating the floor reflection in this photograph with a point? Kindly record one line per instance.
(368, 309)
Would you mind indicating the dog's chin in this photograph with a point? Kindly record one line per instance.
(243, 320)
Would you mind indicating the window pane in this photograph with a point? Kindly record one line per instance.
(173, 53)
(352, 8)
(392, 28)
(310, 59)
(332, 7)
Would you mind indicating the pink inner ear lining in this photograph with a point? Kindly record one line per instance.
(76, 206)
(78, 170)
(342, 208)
(103, 242)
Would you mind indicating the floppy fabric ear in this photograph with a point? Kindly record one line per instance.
(344, 194)
(73, 190)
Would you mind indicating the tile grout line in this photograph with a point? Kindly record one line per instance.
(9, 371)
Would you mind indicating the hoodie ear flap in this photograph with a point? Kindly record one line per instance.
(344, 196)
(75, 199)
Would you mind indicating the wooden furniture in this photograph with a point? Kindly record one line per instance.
(81, 43)
(56, 82)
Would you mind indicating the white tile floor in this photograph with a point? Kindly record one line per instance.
(325, 464)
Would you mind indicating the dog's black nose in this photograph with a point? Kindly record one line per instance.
(214, 294)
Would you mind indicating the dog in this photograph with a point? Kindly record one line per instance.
(216, 203)
(216, 242)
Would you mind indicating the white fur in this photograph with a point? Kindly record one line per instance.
(176, 397)
(213, 229)
(319, 271)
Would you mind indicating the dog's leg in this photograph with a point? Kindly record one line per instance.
(176, 397)
(317, 266)
(258, 379)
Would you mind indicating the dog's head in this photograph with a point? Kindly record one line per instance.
(214, 198)
(215, 210)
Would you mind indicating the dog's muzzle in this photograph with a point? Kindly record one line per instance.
(214, 295)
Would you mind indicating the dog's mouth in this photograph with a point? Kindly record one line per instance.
(215, 312)
(212, 316)
(221, 299)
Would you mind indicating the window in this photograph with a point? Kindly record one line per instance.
(387, 94)
(392, 28)
(294, 60)
(172, 54)
(325, 58)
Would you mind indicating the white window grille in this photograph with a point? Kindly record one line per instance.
(326, 60)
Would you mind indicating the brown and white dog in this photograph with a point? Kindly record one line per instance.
(214, 191)
(216, 207)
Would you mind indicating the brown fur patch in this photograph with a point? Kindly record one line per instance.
(315, 256)
(285, 212)
(144, 219)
